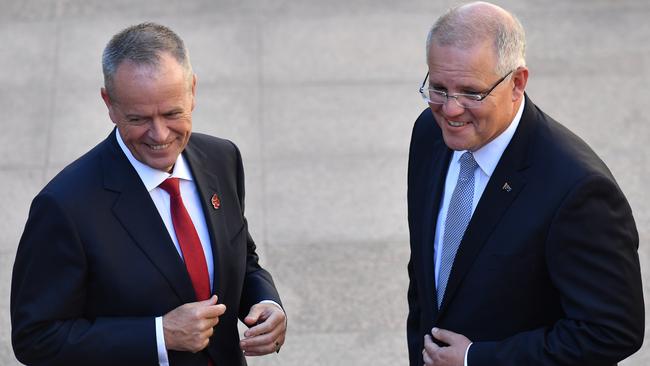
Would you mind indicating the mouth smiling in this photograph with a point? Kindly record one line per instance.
(456, 123)
(159, 146)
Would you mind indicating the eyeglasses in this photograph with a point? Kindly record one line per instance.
(463, 100)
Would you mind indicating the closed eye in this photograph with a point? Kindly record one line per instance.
(474, 95)
(470, 92)
(135, 120)
(173, 114)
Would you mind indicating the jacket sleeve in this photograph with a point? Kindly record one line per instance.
(591, 254)
(48, 296)
(258, 283)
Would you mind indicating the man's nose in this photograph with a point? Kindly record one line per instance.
(452, 108)
(158, 130)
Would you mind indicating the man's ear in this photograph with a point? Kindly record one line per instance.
(109, 104)
(520, 79)
(194, 79)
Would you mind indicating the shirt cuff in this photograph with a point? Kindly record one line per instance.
(272, 302)
(467, 353)
(160, 342)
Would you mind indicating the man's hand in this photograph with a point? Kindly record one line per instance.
(268, 327)
(189, 326)
(452, 355)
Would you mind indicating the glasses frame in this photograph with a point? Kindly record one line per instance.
(478, 97)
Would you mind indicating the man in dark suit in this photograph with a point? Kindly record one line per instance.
(523, 247)
(138, 253)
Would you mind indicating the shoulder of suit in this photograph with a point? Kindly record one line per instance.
(203, 141)
(77, 177)
(561, 149)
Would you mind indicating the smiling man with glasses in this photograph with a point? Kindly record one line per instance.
(523, 247)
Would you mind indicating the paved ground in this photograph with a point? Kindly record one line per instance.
(320, 96)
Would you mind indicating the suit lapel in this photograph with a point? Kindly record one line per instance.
(436, 173)
(207, 184)
(137, 213)
(502, 189)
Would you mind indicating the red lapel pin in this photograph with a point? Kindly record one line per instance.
(216, 202)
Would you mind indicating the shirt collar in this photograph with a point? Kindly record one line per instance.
(487, 157)
(153, 177)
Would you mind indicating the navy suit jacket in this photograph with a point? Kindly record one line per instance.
(95, 264)
(547, 272)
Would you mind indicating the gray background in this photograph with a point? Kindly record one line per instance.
(320, 95)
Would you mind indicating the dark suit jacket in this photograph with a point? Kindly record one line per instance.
(547, 272)
(95, 264)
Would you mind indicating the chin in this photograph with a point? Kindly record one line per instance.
(158, 165)
(455, 143)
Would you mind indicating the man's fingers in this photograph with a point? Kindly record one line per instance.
(261, 340)
(453, 354)
(254, 315)
(445, 336)
(265, 341)
(211, 301)
(213, 311)
(430, 348)
(269, 322)
(188, 327)
(268, 335)
(262, 345)
(425, 357)
(429, 344)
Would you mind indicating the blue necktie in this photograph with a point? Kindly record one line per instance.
(458, 216)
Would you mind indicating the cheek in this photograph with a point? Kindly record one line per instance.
(481, 119)
(182, 128)
(185, 127)
(132, 134)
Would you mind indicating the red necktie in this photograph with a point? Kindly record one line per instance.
(188, 240)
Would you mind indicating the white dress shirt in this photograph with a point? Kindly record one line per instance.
(487, 158)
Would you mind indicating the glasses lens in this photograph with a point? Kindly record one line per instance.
(439, 97)
(468, 102)
(435, 97)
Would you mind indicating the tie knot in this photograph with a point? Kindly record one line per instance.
(467, 164)
(170, 185)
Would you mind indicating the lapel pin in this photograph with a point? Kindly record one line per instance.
(506, 187)
(216, 202)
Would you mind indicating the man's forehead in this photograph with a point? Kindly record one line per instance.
(477, 58)
(131, 73)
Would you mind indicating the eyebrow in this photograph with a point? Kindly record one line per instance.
(131, 115)
(462, 89)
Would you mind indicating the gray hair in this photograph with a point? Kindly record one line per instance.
(468, 25)
(142, 44)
